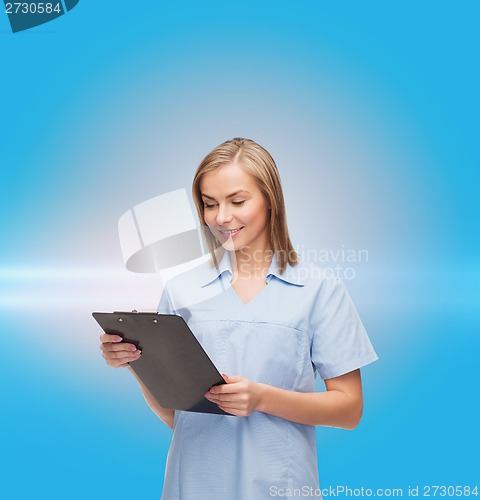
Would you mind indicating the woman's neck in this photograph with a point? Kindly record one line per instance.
(251, 264)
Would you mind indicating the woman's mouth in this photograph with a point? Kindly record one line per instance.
(229, 233)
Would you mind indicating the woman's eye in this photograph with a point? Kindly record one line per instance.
(213, 205)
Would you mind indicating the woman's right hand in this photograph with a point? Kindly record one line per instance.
(117, 353)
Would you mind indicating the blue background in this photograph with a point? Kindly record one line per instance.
(370, 110)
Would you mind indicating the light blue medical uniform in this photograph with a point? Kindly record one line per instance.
(301, 323)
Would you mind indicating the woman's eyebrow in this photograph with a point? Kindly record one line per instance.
(229, 196)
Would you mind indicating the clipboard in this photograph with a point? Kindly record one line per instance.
(173, 365)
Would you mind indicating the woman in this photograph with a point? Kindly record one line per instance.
(269, 322)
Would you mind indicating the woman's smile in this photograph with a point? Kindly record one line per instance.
(229, 233)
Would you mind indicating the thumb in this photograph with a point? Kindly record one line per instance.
(231, 380)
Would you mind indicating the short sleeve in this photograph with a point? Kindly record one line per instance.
(340, 343)
(164, 306)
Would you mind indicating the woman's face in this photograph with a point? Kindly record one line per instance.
(235, 209)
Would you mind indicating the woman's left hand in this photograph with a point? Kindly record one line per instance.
(239, 396)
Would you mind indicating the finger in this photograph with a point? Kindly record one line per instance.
(232, 379)
(220, 398)
(225, 388)
(117, 364)
(106, 337)
(120, 363)
(107, 346)
(122, 355)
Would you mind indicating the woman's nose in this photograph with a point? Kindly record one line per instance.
(223, 215)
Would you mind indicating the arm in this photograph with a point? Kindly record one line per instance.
(164, 414)
(340, 406)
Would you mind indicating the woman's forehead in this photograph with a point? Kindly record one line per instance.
(226, 180)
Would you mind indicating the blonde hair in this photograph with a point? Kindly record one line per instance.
(258, 162)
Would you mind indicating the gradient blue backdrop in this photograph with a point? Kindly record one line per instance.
(371, 112)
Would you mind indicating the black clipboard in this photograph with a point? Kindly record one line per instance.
(173, 365)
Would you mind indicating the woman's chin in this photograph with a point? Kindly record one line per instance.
(229, 245)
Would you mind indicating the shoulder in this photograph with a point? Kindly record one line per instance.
(312, 275)
(193, 276)
(186, 288)
(322, 288)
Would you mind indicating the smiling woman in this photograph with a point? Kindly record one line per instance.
(270, 322)
(235, 201)
(239, 221)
